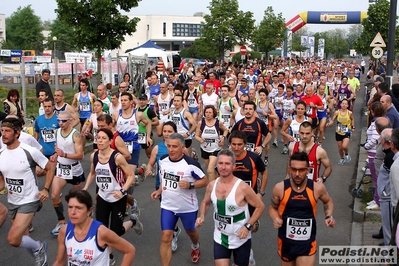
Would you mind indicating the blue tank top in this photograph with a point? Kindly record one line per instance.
(85, 108)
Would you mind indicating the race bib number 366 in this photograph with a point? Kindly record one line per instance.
(299, 229)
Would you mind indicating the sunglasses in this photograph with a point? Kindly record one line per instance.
(62, 120)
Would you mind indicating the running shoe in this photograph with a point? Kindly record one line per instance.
(251, 258)
(142, 172)
(266, 162)
(175, 238)
(347, 158)
(136, 180)
(112, 262)
(341, 161)
(137, 225)
(4, 191)
(135, 208)
(40, 255)
(57, 228)
(30, 228)
(275, 143)
(195, 154)
(195, 254)
(285, 150)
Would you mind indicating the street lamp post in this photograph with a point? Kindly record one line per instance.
(55, 64)
(183, 43)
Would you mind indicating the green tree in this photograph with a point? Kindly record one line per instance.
(98, 24)
(200, 49)
(335, 42)
(270, 32)
(226, 26)
(66, 39)
(377, 21)
(353, 34)
(24, 30)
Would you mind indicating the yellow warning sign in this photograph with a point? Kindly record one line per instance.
(378, 41)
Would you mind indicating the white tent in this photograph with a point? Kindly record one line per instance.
(153, 52)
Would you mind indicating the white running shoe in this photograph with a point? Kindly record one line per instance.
(175, 238)
(57, 228)
(40, 255)
(251, 258)
(371, 203)
(138, 227)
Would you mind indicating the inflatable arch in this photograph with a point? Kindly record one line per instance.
(325, 17)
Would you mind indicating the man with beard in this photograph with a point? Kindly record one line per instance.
(293, 212)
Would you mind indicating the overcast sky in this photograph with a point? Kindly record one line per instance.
(288, 8)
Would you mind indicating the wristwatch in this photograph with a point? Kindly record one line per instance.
(324, 178)
(248, 226)
(191, 185)
(262, 193)
(124, 192)
(263, 145)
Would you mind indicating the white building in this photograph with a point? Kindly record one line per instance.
(2, 27)
(170, 32)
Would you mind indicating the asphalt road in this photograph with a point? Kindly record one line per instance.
(264, 241)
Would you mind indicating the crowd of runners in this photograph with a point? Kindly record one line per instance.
(236, 113)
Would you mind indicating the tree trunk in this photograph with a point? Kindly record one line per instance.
(98, 76)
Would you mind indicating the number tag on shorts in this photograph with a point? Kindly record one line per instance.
(129, 146)
(171, 182)
(341, 97)
(250, 147)
(264, 118)
(299, 229)
(15, 186)
(308, 110)
(226, 118)
(224, 224)
(84, 107)
(286, 113)
(64, 171)
(48, 135)
(104, 183)
(296, 137)
(142, 138)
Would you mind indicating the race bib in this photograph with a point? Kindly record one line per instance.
(310, 174)
(250, 147)
(176, 120)
(171, 182)
(226, 118)
(286, 113)
(264, 118)
(308, 110)
(152, 101)
(104, 183)
(209, 142)
(84, 106)
(224, 224)
(64, 171)
(191, 101)
(296, 137)
(129, 146)
(142, 138)
(342, 128)
(95, 131)
(341, 97)
(163, 106)
(15, 186)
(48, 135)
(298, 229)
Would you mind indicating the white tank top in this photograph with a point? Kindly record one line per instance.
(182, 124)
(211, 136)
(210, 100)
(331, 84)
(67, 168)
(225, 115)
(163, 105)
(229, 218)
(238, 116)
(86, 252)
(294, 127)
(113, 109)
(128, 130)
(192, 100)
(107, 178)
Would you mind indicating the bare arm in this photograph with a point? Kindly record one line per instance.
(277, 193)
(74, 114)
(75, 101)
(122, 163)
(108, 237)
(284, 129)
(204, 207)
(254, 201)
(328, 205)
(121, 147)
(61, 259)
(324, 160)
(91, 175)
(190, 119)
(152, 161)
(198, 133)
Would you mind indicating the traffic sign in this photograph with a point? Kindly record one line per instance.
(378, 41)
(377, 52)
(243, 50)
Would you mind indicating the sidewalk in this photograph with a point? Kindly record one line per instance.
(365, 223)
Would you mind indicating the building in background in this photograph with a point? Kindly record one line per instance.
(173, 33)
(2, 28)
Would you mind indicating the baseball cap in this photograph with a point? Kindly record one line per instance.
(143, 97)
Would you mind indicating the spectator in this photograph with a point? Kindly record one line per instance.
(12, 105)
